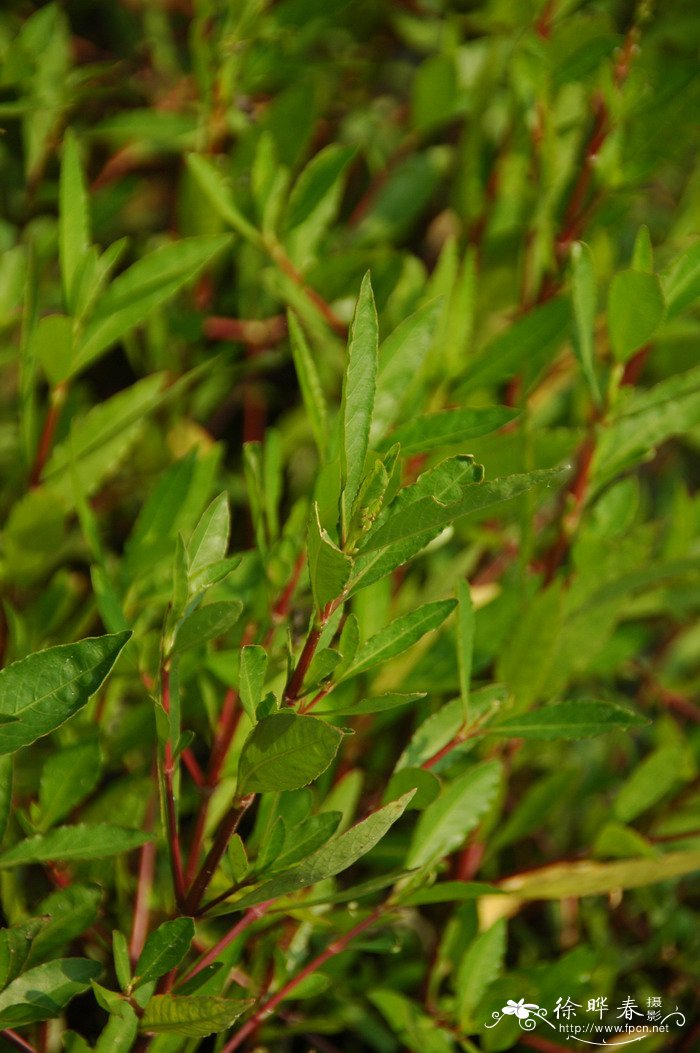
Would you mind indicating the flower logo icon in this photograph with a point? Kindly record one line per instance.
(521, 1008)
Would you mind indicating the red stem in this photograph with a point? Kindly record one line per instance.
(333, 949)
(56, 401)
(139, 929)
(324, 309)
(226, 829)
(169, 768)
(17, 1041)
(296, 680)
(245, 922)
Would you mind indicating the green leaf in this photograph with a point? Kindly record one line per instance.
(657, 775)
(427, 516)
(192, 1015)
(526, 344)
(526, 662)
(45, 689)
(426, 785)
(209, 540)
(67, 779)
(329, 568)
(417, 1031)
(584, 300)
(67, 843)
(643, 254)
(310, 835)
(73, 218)
(309, 384)
(378, 704)
(120, 954)
(445, 823)
(215, 186)
(442, 726)
(447, 428)
(598, 879)
(334, 857)
(401, 357)
(119, 1032)
(51, 343)
(635, 309)
(358, 395)
(314, 201)
(66, 914)
(15, 945)
(645, 420)
(465, 643)
(316, 183)
(98, 442)
(41, 993)
(284, 752)
(481, 965)
(399, 635)
(681, 283)
(207, 623)
(164, 949)
(134, 294)
(6, 768)
(448, 892)
(251, 677)
(568, 720)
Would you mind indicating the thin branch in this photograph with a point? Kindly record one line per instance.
(268, 1007)
(173, 833)
(250, 916)
(296, 679)
(284, 263)
(56, 400)
(139, 928)
(225, 831)
(17, 1041)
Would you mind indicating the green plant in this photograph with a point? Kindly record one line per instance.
(350, 559)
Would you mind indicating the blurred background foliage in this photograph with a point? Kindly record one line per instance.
(529, 172)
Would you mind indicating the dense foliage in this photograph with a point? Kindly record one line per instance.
(350, 408)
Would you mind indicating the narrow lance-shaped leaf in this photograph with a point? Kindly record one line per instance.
(286, 751)
(428, 516)
(66, 779)
(42, 691)
(134, 294)
(309, 383)
(67, 843)
(339, 854)
(164, 950)
(329, 568)
(192, 1015)
(568, 720)
(583, 295)
(41, 993)
(588, 878)
(448, 428)
(465, 643)
(400, 359)
(73, 218)
(207, 623)
(480, 966)
(212, 181)
(358, 395)
(635, 309)
(445, 823)
(399, 635)
(209, 539)
(6, 771)
(251, 677)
